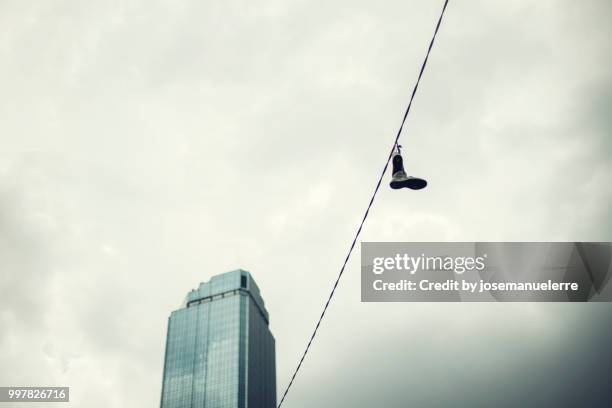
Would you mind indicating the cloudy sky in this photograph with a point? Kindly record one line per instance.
(148, 145)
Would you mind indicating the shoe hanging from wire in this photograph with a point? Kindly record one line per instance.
(399, 179)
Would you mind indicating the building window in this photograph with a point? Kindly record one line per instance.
(243, 282)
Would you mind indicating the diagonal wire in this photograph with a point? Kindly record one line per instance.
(365, 215)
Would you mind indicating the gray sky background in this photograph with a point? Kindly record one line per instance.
(148, 145)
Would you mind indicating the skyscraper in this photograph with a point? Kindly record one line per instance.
(220, 352)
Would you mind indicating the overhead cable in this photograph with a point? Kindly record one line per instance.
(365, 215)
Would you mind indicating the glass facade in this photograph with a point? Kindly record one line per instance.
(220, 352)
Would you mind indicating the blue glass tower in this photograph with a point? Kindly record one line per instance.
(220, 352)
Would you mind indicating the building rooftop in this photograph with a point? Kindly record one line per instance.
(226, 283)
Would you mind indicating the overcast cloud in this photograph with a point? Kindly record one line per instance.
(148, 145)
